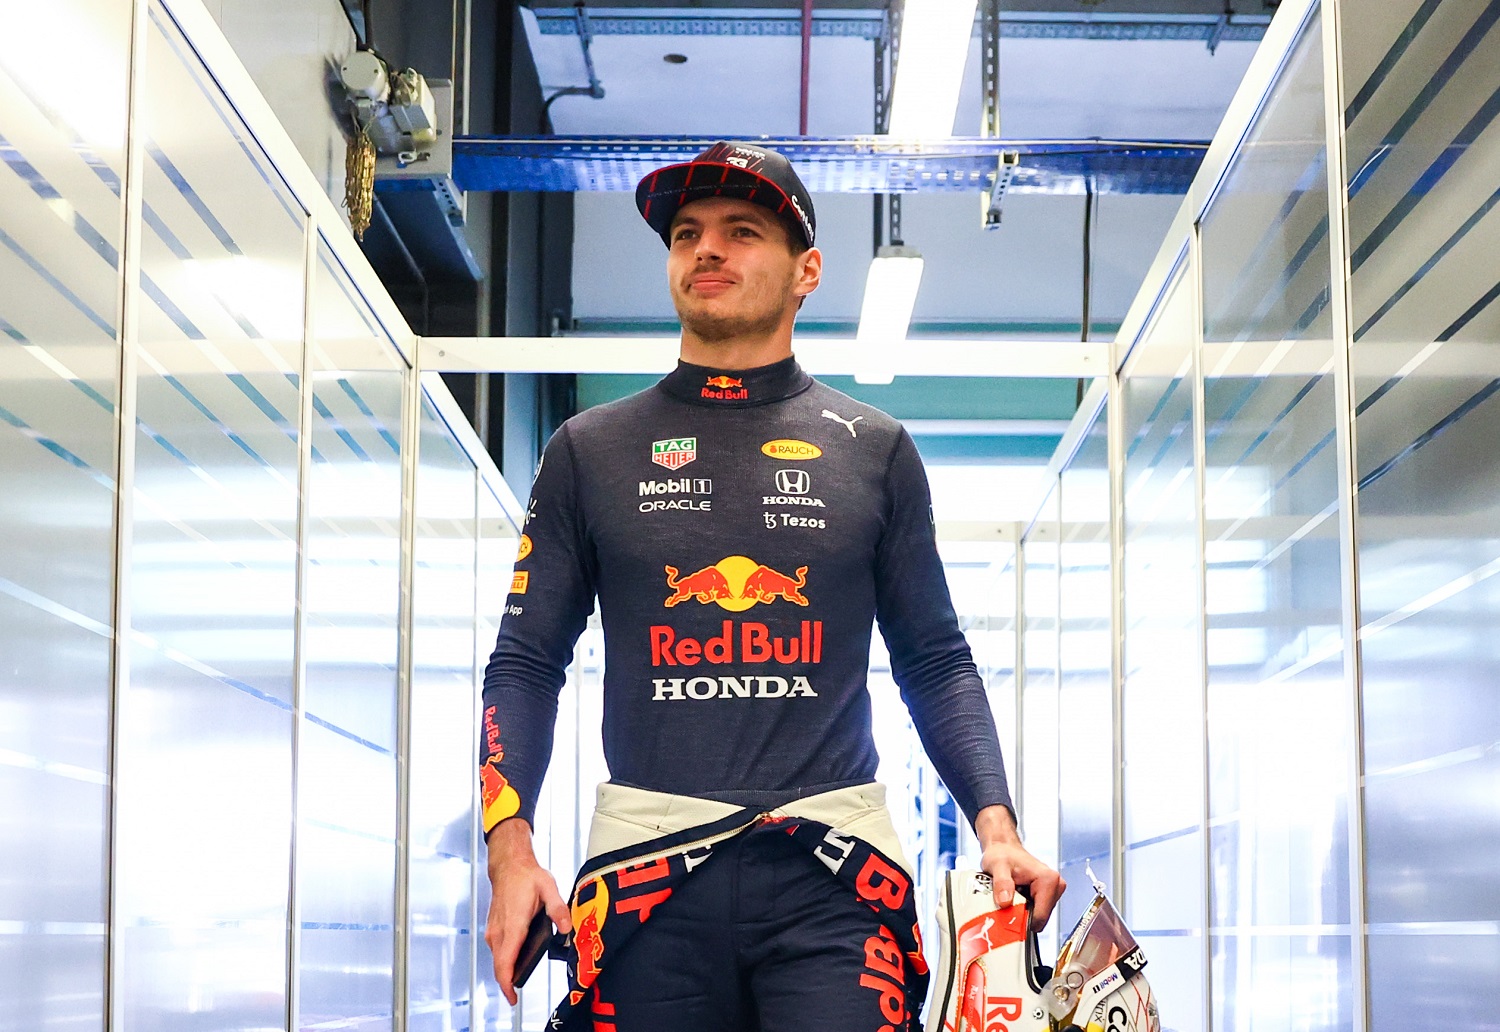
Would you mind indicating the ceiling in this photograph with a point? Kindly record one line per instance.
(742, 75)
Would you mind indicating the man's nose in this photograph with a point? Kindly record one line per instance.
(710, 245)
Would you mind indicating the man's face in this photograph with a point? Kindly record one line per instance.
(731, 270)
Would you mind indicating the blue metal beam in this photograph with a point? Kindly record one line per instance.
(848, 164)
(871, 25)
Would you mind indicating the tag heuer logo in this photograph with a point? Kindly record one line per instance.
(676, 453)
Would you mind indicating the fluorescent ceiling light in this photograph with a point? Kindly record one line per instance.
(930, 66)
(885, 316)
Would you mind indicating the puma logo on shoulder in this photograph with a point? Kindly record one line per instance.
(846, 422)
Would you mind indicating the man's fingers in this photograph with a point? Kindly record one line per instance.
(1004, 888)
(505, 970)
(557, 910)
(1046, 889)
(505, 936)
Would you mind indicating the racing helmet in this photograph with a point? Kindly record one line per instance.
(1098, 984)
(987, 976)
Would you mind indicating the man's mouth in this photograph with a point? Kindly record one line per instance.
(709, 282)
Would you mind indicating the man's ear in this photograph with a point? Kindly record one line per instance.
(809, 272)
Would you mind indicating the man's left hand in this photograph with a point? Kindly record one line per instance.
(1008, 864)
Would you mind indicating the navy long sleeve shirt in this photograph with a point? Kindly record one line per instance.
(741, 530)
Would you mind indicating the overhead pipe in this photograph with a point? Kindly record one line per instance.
(595, 88)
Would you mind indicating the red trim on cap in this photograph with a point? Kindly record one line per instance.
(761, 180)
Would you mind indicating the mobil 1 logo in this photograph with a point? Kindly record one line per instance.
(684, 493)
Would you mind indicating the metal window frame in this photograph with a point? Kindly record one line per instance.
(132, 194)
(1346, 444)
(299, 624)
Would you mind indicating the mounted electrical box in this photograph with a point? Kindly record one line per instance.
(408, 118)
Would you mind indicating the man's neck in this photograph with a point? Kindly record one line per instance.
(738, 352)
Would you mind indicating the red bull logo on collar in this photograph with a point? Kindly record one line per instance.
(736, 583)
(725, 388)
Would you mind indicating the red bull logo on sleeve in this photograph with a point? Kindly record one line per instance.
(496, 795)
(736, 583)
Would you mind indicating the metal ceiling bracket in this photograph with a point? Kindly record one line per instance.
(989, 56)
(989, 118)
(1005, 171)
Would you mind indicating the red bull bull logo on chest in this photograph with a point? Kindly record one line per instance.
(736, 583)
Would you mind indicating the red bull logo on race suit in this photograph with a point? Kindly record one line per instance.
(736, 583)
(725, 388)
(496, 795)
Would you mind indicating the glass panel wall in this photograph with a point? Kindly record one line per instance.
(206, 714)
(1422, 89)
(1334, 640)
(1279, 737)
(1162, 687)
(1036, 790)
(346, 783)
(444, 743)
(1085, 704)
(62, 142)
(496, 556)
(257, 686)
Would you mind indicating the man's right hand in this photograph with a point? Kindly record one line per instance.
(519, 888)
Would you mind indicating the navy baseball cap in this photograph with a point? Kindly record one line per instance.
(742, 170)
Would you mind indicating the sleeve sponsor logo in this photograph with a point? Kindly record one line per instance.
(736, 583)
(791, 450)
(520, 581)
(525, 547)
(675, 452)
(499, 799)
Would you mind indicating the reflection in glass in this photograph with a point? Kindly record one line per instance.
(1037, 793)
(1162, 701)
(206, 719)
(1279, 742)
(1423, 143)
(63, 136)
(1085, 721)
(444, 699)
(497, 543)
(346, 840)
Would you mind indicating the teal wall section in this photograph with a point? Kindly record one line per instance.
(924, 397)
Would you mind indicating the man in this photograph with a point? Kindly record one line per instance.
(742, 527)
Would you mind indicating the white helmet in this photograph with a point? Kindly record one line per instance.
(1098, 985)
(987, 975)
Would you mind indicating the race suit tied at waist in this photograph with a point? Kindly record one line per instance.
(618, 890)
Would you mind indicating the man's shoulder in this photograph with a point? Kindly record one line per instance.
(851, 411)
(602, 422)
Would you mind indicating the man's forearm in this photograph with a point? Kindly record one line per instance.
(995, 824)
(509, 843)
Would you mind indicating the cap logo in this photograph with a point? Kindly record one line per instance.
(806, 223)
(742, 157)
